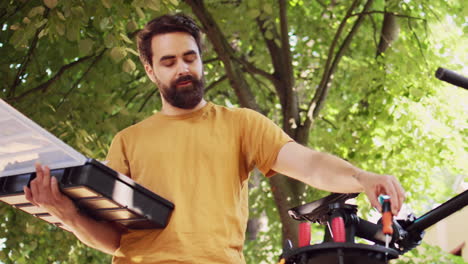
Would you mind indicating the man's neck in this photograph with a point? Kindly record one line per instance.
(170, 110)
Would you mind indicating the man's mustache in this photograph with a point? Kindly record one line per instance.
(184, 79)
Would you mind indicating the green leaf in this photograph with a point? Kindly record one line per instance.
(50, 3)
(125, 38)
(140, 13)
(15, 26)
(60, 15)
(174, 2)
(38, 10)
(85, 46)
(118, 53)
(21, 37)
(43, 33)
(268, 8)
(40, 23)
(60, 28)
(109, 41)
(132, 51)
(128, 66)
(132, 26)
(78, 11)
(73, 31)
(106, 3)
(26, 20)
(153, 4)
(105, 23)
(253, 13)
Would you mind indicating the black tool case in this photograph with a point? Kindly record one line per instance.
(99, 192)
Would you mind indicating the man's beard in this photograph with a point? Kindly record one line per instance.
(185, 97)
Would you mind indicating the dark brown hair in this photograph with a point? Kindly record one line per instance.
(165, 24)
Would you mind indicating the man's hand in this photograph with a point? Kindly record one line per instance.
(45, 193)
(375, 185)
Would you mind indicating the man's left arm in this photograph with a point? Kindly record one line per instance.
(330, 173)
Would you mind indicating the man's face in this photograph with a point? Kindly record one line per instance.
(177, 69)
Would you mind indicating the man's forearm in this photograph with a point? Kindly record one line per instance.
(333, 174)
(318, 169)
(330, 173)
(102, 236)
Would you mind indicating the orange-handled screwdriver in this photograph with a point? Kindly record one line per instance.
(387, 218)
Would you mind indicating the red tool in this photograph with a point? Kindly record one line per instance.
(387, 219)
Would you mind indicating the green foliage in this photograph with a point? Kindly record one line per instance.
(428, 254)
(30, 240)
(72, 67)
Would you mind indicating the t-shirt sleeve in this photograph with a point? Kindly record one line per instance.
(261, 141)
(116, 157)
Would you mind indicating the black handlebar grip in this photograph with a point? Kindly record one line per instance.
(451, 77)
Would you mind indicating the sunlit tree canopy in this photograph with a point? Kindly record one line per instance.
(352, 78)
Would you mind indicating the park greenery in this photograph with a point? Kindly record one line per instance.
(354, 78)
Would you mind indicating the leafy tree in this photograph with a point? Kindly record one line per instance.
(353, 78)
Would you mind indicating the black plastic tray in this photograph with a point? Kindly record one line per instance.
(99, 192)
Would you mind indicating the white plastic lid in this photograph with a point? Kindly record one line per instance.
(23, 143)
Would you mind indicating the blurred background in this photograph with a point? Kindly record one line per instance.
(352, 78)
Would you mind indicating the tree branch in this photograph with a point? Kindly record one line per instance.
(225, 53)
(128, 84)
(322, 4)
(251, 68)
(275, 55)
(18, 8)
(27, 59)
(332, 49)
(278, 61)
(374, 27)
(318, 101)
(291, 108)
(213, 84)
(260, 82)
(418, 41)
(211, 60)
(383, 12)
(285, 46)
(147, 99)
(329, 122)
(44, 86)
(98, 57)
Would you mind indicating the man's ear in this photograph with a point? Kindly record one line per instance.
(150, 72)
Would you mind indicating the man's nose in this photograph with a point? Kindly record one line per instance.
(182, 68)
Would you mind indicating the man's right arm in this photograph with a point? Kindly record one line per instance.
(45, 193)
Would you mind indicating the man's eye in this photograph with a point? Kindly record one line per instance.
(168, 63)
(190, 57)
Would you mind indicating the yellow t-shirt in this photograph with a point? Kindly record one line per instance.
(200, 162)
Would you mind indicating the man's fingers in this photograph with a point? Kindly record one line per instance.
(45, 177)
(399, 196)
(55, 189)
(34, 188)
(39, 172)
(374, 201)
(37, 181)
(28, 195)
(394, 195)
